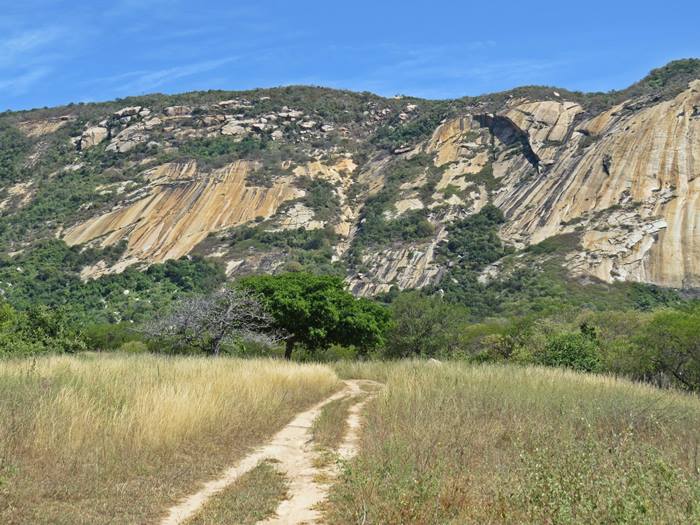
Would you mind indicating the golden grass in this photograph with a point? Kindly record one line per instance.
(254, 497)
(116, 438)
(459, 444)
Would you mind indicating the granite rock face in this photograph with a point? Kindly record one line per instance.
(644, 162)
(624, 179)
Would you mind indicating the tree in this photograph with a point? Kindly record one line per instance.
(207, 322)
(424, 326)
(317, 311)
(674, 338)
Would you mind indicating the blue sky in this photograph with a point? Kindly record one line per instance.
(54, 52)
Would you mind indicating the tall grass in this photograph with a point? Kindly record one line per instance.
(459, 444)
(97, 439)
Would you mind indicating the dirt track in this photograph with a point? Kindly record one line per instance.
(294, 450)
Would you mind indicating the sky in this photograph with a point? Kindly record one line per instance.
(53, 52)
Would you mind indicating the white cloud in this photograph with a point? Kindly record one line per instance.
(139, 81)
(23, 82)
(27, 46)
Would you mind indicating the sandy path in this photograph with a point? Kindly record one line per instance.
(292, 447)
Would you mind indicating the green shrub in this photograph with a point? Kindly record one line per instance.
(674, 338)
(134, 347)
(424, 326)
(577, 351)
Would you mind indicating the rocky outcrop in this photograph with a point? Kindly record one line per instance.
(646, 160)
(39, 128)
(181, 206)
(93, 136)
(411, 266)
(624, 180)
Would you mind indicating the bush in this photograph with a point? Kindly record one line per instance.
(105, 336)
(577, 351)
(134, 347)
(424, 326)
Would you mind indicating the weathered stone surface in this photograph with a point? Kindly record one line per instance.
(39, 128)
(233, 128)
(128, 138)
(128, 112)
(177, 111)
(298, 216)
(410, 266)
(92, 136)
(645, 159)
(624, 180)
(182, 206)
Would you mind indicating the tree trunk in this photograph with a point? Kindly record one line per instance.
(289, 346)
(216, 347)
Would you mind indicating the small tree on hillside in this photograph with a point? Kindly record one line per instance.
(207, 322)
(673, 336)
(424, 326)
(317, 311)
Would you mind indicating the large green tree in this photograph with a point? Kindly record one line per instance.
(317, 311)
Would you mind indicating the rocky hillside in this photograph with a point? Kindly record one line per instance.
(392, 193)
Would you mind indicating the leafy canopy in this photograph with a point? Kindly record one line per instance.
(317, 311)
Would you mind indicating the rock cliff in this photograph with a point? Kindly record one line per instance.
(370, 186)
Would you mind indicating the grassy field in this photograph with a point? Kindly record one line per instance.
(459, 444)
(113, 438)
(98, 439)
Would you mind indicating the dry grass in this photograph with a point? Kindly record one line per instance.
(97, 439)
(460, 444)
(254, 497)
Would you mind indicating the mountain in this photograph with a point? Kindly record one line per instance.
(391, 193)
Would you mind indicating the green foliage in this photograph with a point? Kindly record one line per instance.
(134, 347)
(374, 228)
(399, 134)
(310, 250)
(321, 198)
(578, 351)
(215, 152)
(473, 244)
(14, 146)
(474, 241)
(562, 243)
(49, 274)
(109, 336)
(317, 311)
(37, 330)
(485, 178)
(673, 336)
(424, 326)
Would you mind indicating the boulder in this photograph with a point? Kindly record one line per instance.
(177, 111)
(128, 112)
(92, 136)
(233, 128)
